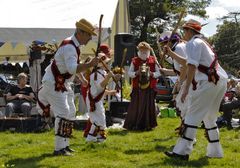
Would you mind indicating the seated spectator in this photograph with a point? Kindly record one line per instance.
(231, 102)
(231, 84)
(20, 97)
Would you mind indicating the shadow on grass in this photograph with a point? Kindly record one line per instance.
(30, 162)
(92, 146)
(170, 162)
(160, 148)
(201, 162)
(137, 151)
(118, 132)
(162, 139)
(125, 132)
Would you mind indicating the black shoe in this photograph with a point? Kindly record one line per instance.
(62, 152)
(177, 156)
(68, 149)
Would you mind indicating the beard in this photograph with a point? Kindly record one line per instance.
(143, 55)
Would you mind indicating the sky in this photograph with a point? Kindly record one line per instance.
(54, 13)
(217, 9)
(64, 13)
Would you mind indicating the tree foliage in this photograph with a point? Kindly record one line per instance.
(227, 42)
(147, 14)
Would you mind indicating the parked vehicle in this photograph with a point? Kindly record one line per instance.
(164, 93)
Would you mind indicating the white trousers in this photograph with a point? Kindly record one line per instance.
(183, 106)
(98, 116)
(203, 106)
(61, 104)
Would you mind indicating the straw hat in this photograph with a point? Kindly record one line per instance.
(144, 45)
(193, 24)
(86, 26)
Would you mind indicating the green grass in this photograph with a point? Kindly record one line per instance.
(123, 149)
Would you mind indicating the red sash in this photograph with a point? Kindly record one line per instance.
(211, 71)
(45, 109)
(92, 100)
(60, 78)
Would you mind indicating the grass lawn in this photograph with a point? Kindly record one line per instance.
(122, 149)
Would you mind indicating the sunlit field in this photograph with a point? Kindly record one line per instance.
(122, 149)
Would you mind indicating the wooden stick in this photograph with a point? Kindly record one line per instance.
(175, 29)
(99, 43)
(161, 65)
(106, 67)
(123, 58)
(121, 66)
(159, 48)
(162, 73)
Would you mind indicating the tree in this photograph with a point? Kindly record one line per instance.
(231, 16)
(146, 14)
(227, 42)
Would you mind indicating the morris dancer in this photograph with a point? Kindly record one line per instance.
(105, 49)
(177, 57)
(99, 79)
(179, 67)
(204, 102)
(56, 89)
(141, 113)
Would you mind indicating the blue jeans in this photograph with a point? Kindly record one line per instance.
(18, 106)
(227, 109)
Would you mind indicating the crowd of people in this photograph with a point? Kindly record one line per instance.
(199, 91)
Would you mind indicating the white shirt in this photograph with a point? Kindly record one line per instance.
(180, 49)
(96, 88)
(198, 52)
(66, 60)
